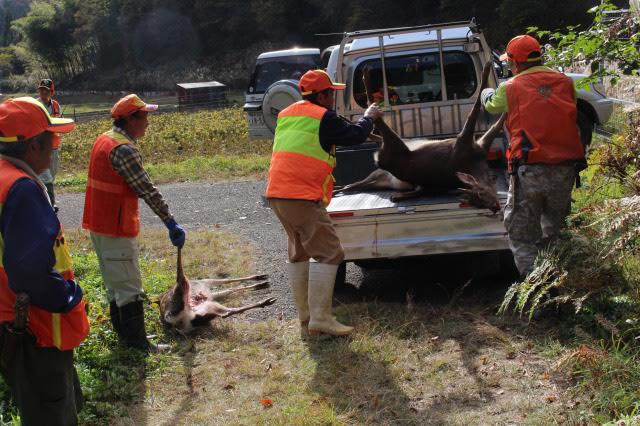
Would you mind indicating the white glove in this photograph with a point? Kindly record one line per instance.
(486, 95)
(373, 112)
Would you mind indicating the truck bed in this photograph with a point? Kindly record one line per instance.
(379, 202)
(372, 226)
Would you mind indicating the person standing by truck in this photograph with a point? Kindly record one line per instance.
(46, 92)
(36, 356)
(544, 148)
(299, 188)
(116, 180)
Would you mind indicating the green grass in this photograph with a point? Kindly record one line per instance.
(202, 145)
(405, 364)
(198, 168)
(112, 378)
(91, 102)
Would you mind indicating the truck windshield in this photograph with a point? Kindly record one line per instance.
(416, 78)
(270, 70)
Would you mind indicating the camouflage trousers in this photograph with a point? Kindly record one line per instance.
(538, 202)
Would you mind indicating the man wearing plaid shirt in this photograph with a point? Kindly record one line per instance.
(116, 180)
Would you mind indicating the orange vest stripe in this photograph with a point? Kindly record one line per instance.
(104, 186)
(303, 109)
(542, 119)
(110, 205)
(300, 168)
(63, 331)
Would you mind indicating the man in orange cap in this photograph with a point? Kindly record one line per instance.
(46, 92)
(544, 148)
(300, 187)
(37, 363)
(116, 180)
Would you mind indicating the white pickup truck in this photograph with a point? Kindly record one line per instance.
(428, 78)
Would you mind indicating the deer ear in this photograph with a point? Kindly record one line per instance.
(467, 179)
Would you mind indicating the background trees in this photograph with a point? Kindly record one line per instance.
(112, 43)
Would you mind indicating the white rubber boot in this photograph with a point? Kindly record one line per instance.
(322, 278)
(298, 273)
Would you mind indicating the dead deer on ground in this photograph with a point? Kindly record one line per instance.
(424, 166)
(190, 304)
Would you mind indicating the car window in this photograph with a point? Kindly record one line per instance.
(460, 75)
(270, 70)
(416, 78)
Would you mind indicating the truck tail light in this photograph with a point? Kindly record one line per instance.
(341, 214)
(494, 155)
(465, 205)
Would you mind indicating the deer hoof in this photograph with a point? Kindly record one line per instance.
(269, 301)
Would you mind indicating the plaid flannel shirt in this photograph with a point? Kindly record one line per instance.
(127, 162)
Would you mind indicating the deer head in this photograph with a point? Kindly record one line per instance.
(482, 195)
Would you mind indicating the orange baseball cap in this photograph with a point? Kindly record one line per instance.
(314, 81)
(25, 117)
(519, 49)
(130, 104)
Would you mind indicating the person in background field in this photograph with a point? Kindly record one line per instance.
(300, 187)
(544, 148)
(116, 180)
(46, 92)
(37, 364)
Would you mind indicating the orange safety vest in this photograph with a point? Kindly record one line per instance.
(110, 205)
(64, 331)
(300, 168)
(542, 119)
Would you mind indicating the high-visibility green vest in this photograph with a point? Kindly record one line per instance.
(300, 168)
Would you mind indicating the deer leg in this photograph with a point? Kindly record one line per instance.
(487, 139)
(400, 196)
(466, 135)
(216, 281)
(224, 293)
(378, 179)
(262, 304)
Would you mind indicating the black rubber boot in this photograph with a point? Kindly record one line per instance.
(133, 331)
(114, 313)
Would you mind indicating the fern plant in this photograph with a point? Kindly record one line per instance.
(568, 272)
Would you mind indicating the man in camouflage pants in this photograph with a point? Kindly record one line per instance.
(544, 148)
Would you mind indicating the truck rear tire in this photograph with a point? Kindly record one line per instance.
(586, 129)
(341, 277)
(508, 267)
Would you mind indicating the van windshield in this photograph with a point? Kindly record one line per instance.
(270, 70)
(416, 78)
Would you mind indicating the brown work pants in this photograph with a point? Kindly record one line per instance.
(310, 231)
(43, 381)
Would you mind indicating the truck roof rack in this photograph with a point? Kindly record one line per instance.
(387, 31)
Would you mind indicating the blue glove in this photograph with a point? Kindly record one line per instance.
(176, 233)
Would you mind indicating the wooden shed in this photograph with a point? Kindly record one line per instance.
(208, 94)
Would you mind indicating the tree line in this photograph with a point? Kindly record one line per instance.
(147, 44)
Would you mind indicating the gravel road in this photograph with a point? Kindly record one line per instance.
(236, 207)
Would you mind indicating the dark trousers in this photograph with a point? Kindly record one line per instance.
(43, 382)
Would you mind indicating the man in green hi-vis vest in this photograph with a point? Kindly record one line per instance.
(299, 189)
